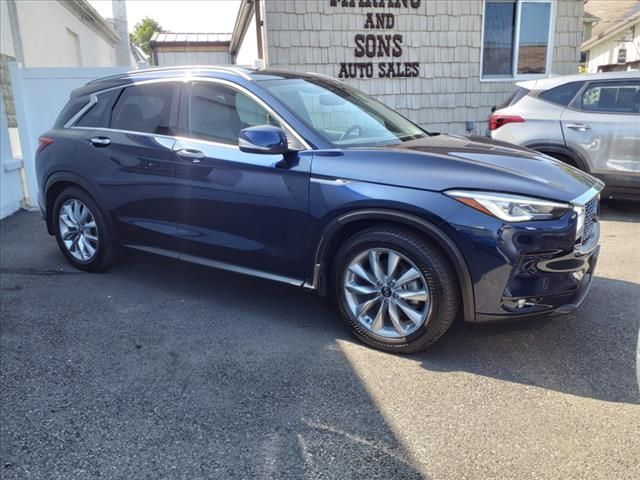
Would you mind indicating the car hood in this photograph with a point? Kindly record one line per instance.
(443, 162)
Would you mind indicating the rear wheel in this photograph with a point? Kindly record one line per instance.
(83, 235)
(395, 290)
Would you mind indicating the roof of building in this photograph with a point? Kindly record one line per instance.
(190, 38)
(613, 15)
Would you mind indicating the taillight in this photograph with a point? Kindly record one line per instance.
(43, 142)
(496, 121)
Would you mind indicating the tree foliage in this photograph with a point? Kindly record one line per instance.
(142, 33)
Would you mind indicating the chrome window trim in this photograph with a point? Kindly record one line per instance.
(93, 99)
(576, 104)
(256, 99)
(186, 79)
(175, 138)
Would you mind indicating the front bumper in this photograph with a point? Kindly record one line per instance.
(527, 269)
(552, 304)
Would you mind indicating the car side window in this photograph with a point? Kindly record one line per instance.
(563, 94)
(218, 113)
(612, 97)
(99, 115)
(147, 108)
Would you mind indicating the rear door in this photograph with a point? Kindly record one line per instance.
(242, 209)
(130, 146)
(603, 125)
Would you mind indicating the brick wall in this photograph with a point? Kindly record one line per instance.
(443, 36)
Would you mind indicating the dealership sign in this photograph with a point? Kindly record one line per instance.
(379, 51)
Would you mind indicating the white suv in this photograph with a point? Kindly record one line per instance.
(589, 121)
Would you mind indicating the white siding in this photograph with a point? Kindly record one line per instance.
(248, 51)
(46, 43)
(606, 53)
(6, 41)
(443, 36)
(168, 59)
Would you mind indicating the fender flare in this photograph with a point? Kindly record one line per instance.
(551, 148)
(426, 227)
(74, 178)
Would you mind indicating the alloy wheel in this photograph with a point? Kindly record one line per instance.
(78, 230)
(387, 293)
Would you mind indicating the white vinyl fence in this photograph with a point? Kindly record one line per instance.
(39, 94)
(10, 179)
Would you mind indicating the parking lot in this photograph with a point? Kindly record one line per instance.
(160, 369)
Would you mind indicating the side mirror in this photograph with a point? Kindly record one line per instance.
(263, 139)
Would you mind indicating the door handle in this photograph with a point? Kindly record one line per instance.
(580, 127)
(101, 141)
(194, 155)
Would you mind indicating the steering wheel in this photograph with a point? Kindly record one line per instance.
(350, 130)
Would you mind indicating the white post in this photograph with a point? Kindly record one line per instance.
(120, 24)
(30, 185)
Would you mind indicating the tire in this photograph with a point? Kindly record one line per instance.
(80, 249)
(399, 328)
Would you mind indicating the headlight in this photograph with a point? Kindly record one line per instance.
(510, 208)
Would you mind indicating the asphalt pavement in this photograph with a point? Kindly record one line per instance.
(160, 369)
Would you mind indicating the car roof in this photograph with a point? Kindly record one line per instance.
(552, 82)
(245, 73)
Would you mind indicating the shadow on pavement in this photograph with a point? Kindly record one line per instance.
(590, 353)
(165, 370)
(620, 211)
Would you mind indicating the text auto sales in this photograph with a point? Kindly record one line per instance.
(379, 45)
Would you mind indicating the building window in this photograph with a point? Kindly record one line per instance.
(516, 38)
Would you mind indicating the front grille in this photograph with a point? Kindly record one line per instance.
(586, 237)
(590, 212)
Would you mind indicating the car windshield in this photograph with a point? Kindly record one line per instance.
(342, 115)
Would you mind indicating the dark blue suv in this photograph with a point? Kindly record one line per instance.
(301, 179)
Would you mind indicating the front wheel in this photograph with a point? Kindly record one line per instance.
(395, 290)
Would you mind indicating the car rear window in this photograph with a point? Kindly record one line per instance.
(73, 106)
(99, 114)
(563, 94)
(514, 98)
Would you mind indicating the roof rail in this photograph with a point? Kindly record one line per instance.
(326, 77)
(143, 71)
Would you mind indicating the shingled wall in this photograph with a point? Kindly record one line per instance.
(443, 37)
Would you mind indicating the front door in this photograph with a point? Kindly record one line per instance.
(240, 209)
(604, 126)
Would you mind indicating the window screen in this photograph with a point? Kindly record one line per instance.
(507, 54)
(499, 28)
(147, 108)
(534, 37)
